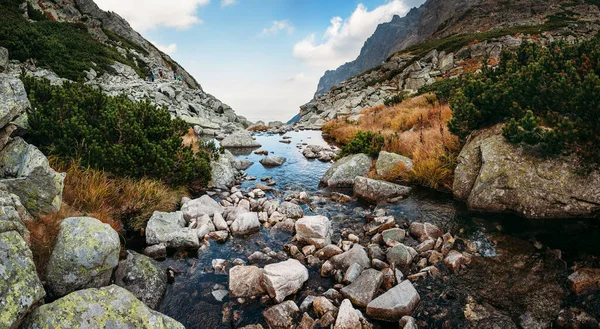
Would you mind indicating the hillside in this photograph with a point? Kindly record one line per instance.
(440, 18)
(466, 42)
(76, 40)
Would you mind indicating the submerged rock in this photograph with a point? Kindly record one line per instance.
(395, 303)
(222, 173)
(240, 139)
(494, 175)
(108, 307)
(377, 191)
(344, 171)
(143, 277)
(84, 256)
(283, 279)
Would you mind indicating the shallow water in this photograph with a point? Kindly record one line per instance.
(189, 298)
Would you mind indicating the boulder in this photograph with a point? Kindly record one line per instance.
(282, 316)
(584, 280)
(495, 175)
(395, 303)
(387, 162)
(244, 281)
(245, 223)
(13, 97)
(356, 254)
(290, 210)
(240, 139)
(26, 172)
(143, 277)
(272, 161)
(283, 279)
(363, 289)
(197, 208)
(314, 230)
(322, 305)
(399, 255)
(84, 256)
(222, 173)
(109, 307)
(20, 287)
(169, 229)
(377, 190)
(344, 171)
(347, 317)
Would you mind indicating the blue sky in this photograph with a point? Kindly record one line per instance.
(262, 57)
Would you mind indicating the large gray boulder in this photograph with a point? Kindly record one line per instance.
(84, 256)
(245, 223)
(110, 307)
(315, 230)
(13, 98)
(197, 208)
(240, 139)
(169, 229)
(387, 162)
(494, 175)
(377, 190)
(20, 287)
(395, 303)
(344, 171)
(272, 161)
(290, 210)
(26, 172)
(143, 277)
(222, 173)
(363, 289)
(283, 279)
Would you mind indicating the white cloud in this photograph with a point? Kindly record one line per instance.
(342, 40)
(277, 27)
(226, 3)
(168, 49)
(144, 15)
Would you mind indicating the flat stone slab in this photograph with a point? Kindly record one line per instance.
(395, 303)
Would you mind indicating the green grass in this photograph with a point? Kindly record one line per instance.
(65, 48)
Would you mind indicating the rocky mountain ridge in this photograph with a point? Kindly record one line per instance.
(185, 99)
(441, 18)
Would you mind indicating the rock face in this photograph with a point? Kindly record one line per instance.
(493, 175)
(395, 303)
(344, 171)
(240, 139)
(109, 307)
(272, 161)
(315, 230)
(387, 161)
(283, 279)
(143, 277)
(169, 229)
(377, 191)
(20, 287)
(84, 256)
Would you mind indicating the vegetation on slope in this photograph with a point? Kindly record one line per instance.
(550, 97)
(415, 128)
(65, 48)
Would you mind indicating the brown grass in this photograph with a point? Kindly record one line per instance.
(190, 139)
(123, 203)
(258, 128)
(416, 128)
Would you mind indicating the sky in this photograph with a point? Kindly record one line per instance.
(264, 58)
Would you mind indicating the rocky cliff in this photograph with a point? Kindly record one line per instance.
(185, 99)
(453, 52)
(440, 18)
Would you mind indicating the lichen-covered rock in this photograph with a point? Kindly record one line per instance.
(222, 173)
(240, 139)
(494, 175)
(13, 214)
(20, 287)
(84, 256)
(290, 210)
(26, 172)
(110, 307)
(344, 171)
(169, 228)
(3, 59)
(13, 98)
(376, 190)
(143, 277)
(387, 162)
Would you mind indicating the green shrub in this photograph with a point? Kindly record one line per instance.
(550, 97)
(395, 99)
(114, 134)
(65, 48)
(442, 89)
(366, 142)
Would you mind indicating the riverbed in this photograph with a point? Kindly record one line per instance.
(520, 272)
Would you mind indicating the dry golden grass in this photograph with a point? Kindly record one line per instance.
(190, 139)
(123, 203)
(258, 128)
(416, 128)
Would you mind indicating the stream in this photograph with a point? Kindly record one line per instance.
(520, 274)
